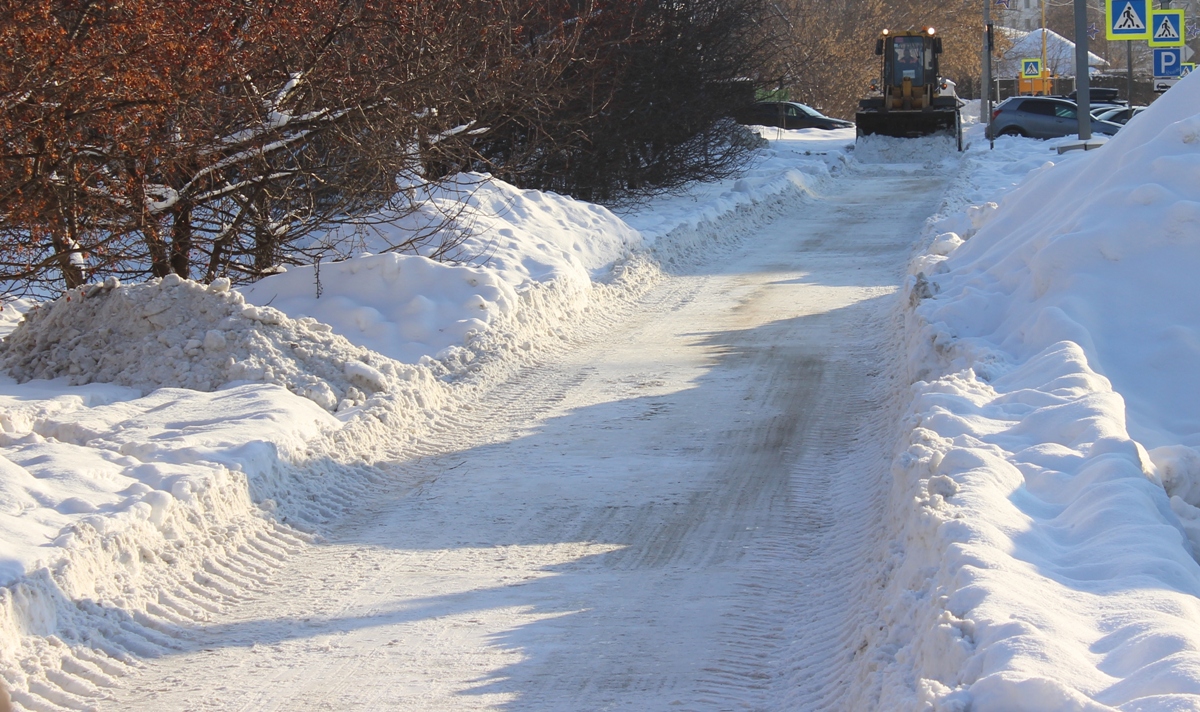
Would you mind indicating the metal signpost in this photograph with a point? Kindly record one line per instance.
(1128, 20)
(1165, 30)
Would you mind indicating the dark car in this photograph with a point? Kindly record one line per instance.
(789, 115)
(1042, 117)
(1118, 114)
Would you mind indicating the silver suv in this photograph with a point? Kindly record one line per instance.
(1042, 117)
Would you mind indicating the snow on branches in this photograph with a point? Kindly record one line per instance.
(142, 138)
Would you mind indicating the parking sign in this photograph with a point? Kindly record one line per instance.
(1167, 62)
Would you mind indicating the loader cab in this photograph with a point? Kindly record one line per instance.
(911, 56)
(910, 60)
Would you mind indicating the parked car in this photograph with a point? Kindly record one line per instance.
(789, 115)
(1117, 114)
(1042, 117)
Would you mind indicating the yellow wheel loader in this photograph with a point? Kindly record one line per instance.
(909, 99)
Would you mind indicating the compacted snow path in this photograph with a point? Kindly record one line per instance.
(683, 512)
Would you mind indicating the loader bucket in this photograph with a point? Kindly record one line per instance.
(906, 124)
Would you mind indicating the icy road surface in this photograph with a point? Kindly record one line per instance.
(683, 513)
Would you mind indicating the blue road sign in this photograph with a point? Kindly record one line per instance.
(1167, 61)
(1168, 28)
(1127, 19)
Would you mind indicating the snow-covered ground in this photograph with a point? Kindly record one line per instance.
(1033, 550)
(229, 423)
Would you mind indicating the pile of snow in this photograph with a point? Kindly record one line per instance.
(123, 516)
(404, 307)
(177, 333)
(104, 460)
(687, 229)
(1041, 564)
(796, 162)
(929, 151)
(409, 307)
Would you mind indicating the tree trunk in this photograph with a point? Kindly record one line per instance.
(64, 237)
(66, 253)
(266, 242)
(160, 259)
(219, 248)
(181, 240)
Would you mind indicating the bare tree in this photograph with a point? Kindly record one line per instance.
(825, 49)
(145, 137)
(148, 137)
(638, 101)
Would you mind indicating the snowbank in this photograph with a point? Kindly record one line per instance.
(795, 161)
(1041, 564)
(176, 333)
(407, 307)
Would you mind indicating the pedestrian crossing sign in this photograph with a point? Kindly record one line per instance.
(1127, 19)
(1168, 28)
(1031, 68)
(1186, 68)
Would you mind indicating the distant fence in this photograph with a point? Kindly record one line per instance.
(1143, 88)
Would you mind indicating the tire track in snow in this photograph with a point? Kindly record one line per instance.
(796, 649)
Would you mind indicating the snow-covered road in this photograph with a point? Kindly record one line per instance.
(681, 511)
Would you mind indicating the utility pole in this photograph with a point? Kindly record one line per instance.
(1045, 67)
(985, 94)
(1083, 98)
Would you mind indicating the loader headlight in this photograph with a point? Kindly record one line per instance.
(930, 30)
